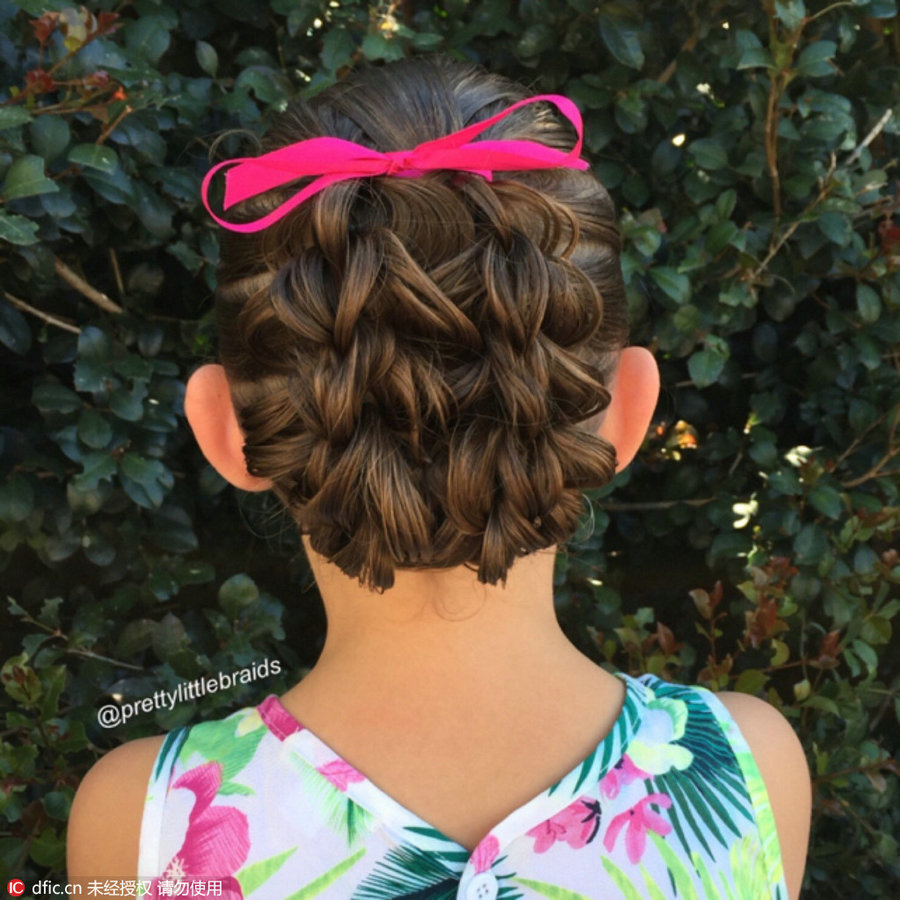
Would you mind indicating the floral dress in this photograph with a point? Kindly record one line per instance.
(670, 804)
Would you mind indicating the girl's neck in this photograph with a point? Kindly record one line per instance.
(440, 627)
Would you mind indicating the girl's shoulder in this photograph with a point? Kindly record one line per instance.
(104, 829)
(105, 822)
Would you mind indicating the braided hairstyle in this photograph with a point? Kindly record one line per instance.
(418, 365)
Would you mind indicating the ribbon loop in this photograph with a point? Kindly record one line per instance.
(335, 159)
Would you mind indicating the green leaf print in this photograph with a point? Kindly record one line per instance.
(408, 871)
(764, 817)
(252, 876)
(710, 890)
(683, 881)
(171, 746)
(343, 815)
(317, 885)
(233, 787)
(653, 890)
(602, 757)
(551, 891)
(748, 870)
(623, 882)
(233, 740)
(682, 802)
(709, 794)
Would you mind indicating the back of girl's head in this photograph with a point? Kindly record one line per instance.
(419, 364)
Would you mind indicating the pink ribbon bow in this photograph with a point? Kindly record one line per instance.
(335, 159)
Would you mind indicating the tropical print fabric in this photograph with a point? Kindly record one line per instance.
(670, 804)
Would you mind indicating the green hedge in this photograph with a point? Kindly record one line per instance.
(752, 151)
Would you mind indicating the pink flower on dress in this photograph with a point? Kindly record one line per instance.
(577, 825)
(217, 839)
(340, 773)
(639, 820)
(622, 773)
(485, 853)
(279, 720)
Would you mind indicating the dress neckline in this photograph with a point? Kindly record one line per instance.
(413, 829)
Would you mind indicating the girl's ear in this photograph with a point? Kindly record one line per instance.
(210, 413)
(635, 392)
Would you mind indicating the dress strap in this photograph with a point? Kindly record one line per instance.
(756, 789)
(149, 863)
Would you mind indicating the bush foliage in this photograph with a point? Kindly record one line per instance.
(751, 149)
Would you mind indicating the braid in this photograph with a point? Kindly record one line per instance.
(412, 360)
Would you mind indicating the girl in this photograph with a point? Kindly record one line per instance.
(423, 355)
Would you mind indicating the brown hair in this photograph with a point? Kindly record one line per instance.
(413, 360)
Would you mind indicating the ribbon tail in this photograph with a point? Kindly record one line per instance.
(566, 106)
(280, 211)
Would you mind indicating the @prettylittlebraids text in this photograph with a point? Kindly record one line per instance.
(111, 714)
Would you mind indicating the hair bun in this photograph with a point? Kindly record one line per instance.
(413, 360)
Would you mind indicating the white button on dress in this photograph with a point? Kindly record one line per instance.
(482, 887)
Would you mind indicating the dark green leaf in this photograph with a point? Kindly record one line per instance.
(25, 178)
(93, 429)
(810, 544)
(377, 46)
(207, 58)
(132, 366)
(96, 467)
(709, 153)
(94, 156)
(827, 500)
(50, 397)
(188, 257)
(144, 471)
(427, 41)
(755, 57)
(785, 481)
(535, 39)
(337, 48)
(868, 303)
(50, 135)
(836, 227)
(705, 367)
(149, 495)
(148, 37)
(129, 404)
(720, 236)
(675, 284)
(49, 848)
(879, 9)
(751, 681)
(815, 60)
(725, 203)
(13, 116)
(688, 318)
(136, 636)
(116, 186)
(16, 498)
(14, 330)
(791, 12)
(94, 344)
(17, 229)
(154, 212)
(169, 637)
(236, 594)
(622, 39)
